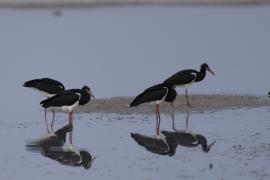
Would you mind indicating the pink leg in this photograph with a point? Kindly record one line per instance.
(172, 115)
(187, 98)
(187, 119)
(71, 124)
(158, 119)
(46, 122)
(172, 107)
(173, 124)
(52, 120)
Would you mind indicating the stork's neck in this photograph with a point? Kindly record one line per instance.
(201, 75)
(61, 133)
(202, 140)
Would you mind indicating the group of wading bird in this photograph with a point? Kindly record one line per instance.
(57, 97)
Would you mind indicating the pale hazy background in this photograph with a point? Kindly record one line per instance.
(120, 51)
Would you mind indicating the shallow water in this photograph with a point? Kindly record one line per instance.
(242, 148)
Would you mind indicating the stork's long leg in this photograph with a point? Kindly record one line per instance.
(187, 119)
(157, 132)
(70, 114)
(52, 120)
(173, 126)
(46, 122)
(172, 115)
(187, 96)
(187, 128)
(157, 119)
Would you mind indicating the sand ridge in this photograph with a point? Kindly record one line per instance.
(199, 103)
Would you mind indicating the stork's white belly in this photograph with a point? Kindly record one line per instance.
(70, 108)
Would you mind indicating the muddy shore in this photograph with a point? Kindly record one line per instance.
(199, 103)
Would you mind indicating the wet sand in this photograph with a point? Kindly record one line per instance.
(199, 103)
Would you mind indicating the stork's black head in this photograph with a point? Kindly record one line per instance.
(88, 90)
(207, 68)
(209, 147)
(87, 159)
(203, 141)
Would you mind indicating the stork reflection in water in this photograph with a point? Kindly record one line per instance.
(187, 138)
(166, 142)
(53, 146)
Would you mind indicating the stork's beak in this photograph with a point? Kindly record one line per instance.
(212, 144)
(91, 94)
(210, 71)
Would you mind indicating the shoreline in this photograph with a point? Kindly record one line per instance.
(199, 103)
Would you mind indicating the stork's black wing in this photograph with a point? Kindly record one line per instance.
(74, 91)
(154, 93)
(61, 99)
(53, 140)
(171, 96)
(48, 85)
(181, 78)
(183, 138)
(154, 145)
(62, 155)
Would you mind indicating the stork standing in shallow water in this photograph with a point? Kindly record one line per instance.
(188, 138)
(48, 88)
(187, 77)
(157, 94)
(67, 101)
(69, 156)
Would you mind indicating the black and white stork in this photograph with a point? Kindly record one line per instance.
(55, 139)
(189, 139)
(157, 94)
(68, 100)
(69, 156)
(156, 144)
(187, 77)
(48, 88)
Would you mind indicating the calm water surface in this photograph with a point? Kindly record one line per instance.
(241, 150)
